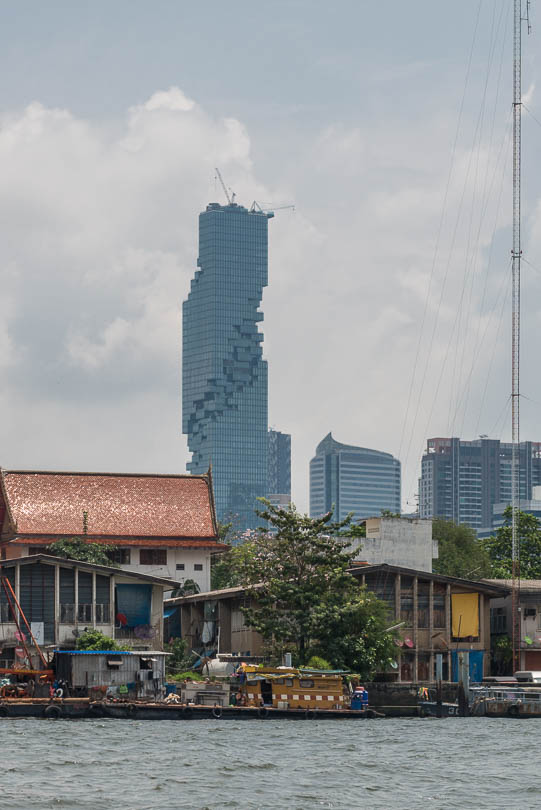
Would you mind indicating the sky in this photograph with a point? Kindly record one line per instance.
(387, 315)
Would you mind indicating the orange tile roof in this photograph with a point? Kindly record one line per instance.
(117, 505)
(143, 542)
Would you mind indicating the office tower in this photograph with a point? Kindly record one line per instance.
(224, 376)
(353, 479)
(279, 459)
(463, 481)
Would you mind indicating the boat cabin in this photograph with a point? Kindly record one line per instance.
(289, 688)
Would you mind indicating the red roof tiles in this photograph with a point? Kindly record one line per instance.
(151, 506)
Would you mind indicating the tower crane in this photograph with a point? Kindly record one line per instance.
(255, 206)
(229, 197)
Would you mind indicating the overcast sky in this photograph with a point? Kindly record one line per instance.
(387, 312)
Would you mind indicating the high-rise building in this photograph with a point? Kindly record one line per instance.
(279, 460)
(224, 376)
(462, 481)
(353, 479)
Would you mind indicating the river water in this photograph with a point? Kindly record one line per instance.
(257, 765)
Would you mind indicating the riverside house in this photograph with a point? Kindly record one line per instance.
(161, 525)
(62, 598)
(437, 614)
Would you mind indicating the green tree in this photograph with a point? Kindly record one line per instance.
(498, 547)
(305, 599)
(76, 548)
(229, 568)
(460, 553)
(93, 639)
(188, 588)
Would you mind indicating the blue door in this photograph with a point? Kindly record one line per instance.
(476, 665)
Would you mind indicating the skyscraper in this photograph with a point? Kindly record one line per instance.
(353, 479)
(462, 481)
(279, 459)
(224, 376)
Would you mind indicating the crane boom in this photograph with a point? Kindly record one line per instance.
(220, 178)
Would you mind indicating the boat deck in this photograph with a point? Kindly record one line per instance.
(80, 708)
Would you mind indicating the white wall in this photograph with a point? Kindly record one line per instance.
(188, 557)
(397, 541)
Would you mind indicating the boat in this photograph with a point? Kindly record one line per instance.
(519, 702)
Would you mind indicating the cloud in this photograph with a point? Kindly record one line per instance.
(98, 244)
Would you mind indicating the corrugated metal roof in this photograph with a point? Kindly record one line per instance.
(105, 569)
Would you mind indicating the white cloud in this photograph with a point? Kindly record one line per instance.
(98, 242)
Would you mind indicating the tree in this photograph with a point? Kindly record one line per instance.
(498, 547)
(188, 588)
(76, 548)
(229, 568)
(93, 639)
(460, 553)
(304, 598)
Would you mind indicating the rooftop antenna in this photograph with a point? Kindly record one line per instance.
(515, 324)
(229, 197)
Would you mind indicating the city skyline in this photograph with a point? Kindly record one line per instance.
(387, 314)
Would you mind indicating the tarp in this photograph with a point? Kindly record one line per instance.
(465, 614)
(168, 613)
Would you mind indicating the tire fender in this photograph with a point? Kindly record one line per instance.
(52, 712)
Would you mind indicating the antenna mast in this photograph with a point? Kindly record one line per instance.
(515, 327)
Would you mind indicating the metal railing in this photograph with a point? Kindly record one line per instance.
(68, 612)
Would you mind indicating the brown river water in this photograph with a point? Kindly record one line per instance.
(270, 764)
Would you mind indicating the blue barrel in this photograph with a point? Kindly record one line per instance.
(170, 688)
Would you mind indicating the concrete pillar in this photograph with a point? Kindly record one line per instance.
(397, 583)
(112, 611)
(448, 628)
(415, 626)
(93, 598)
(56, 603)
(431, 627)
(76, 585)
(224, 626)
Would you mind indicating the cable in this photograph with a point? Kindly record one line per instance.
(440, 226)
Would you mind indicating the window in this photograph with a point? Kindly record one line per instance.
(306, 684)
(120, 556)
(198, 567)
(180, 566)
(423, 591)
(406, 603)
(439, 605)
(153, 556)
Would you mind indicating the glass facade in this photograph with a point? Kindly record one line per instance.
(279, 480)
(463, 480)
(353, 479)
(224, 376)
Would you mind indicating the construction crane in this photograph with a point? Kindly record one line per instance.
(229, 197)
(264, 209)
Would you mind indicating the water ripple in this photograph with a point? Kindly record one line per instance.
(454, 764)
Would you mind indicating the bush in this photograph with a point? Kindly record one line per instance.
(186, 676)
(93, 639)
(316, 662)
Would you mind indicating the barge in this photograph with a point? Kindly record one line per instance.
(84, 708)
